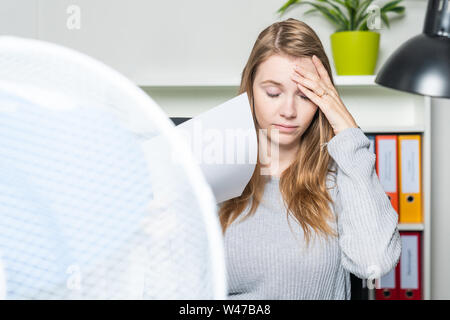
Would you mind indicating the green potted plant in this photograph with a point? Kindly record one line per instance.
(354, 46)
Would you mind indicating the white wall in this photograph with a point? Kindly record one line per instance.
(206, 41)
(19, 18)
(440, 199)
(167, 42)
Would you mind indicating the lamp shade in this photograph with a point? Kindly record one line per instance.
(421, 65)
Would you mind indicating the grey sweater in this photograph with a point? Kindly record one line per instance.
(266, 260)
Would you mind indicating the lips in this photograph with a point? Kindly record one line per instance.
(285, 128)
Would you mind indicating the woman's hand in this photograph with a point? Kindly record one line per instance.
(319, 89)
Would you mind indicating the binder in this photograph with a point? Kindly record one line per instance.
(387, 166)
(179, 120)
(371, 138)
(410, 189)
(359, 290)
(388, 285)
(410, 287)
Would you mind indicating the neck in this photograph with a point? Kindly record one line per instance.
(276, 158)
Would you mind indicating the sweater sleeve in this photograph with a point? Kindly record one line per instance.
(367, 223)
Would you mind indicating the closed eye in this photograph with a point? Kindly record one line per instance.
(276, 95)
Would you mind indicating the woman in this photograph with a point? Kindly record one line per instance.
(320, 211)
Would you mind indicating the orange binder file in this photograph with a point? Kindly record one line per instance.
(410, 169)
(389, 285)
(387, 166)
(410, 267)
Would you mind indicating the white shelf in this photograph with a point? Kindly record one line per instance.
(411, 227)
(342, 81)
(409, 129)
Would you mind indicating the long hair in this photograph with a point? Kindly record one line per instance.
(303, 183)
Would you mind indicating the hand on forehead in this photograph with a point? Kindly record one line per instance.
(280, 69)
(305, 64)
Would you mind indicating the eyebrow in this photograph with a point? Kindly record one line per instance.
(279, 84)
(272, 81)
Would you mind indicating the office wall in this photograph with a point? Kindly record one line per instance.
(160, 42)
(19, 18)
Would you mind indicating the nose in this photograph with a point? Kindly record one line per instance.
(288, 109)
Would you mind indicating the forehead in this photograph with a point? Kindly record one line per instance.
(279, 65)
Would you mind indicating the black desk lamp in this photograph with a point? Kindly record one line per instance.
(422, 64)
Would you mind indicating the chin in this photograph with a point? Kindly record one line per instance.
(286, 140)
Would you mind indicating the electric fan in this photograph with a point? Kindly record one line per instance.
(88, 209)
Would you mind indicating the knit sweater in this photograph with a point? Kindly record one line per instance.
(267, 259)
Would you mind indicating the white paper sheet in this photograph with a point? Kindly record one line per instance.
(223, 141)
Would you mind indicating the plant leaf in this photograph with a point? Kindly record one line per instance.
(362, 24)
(385, 19)
(287, 5)
(352, 6)
(357, 17)
(310, 11)
(361, 12)
(342, 16)
(328, 13)
(396, 10)
(390, 4)
(364, 27)
(342, 3)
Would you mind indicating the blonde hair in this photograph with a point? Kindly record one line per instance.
(303, 183)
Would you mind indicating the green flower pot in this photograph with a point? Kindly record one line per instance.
(355, 52)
